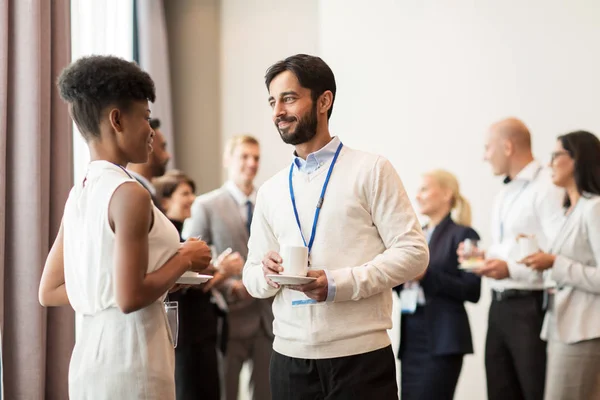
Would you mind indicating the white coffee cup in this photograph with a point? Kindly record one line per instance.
(527, 246)
(294, 260)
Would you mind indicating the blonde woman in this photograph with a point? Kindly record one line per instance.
(435, 331)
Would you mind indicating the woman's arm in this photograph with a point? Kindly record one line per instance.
(130, 214)
(52, 291)
(463, 286)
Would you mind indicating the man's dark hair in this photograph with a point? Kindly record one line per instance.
(584, 148)
(91, 84)
(312, 73)
(154, 123)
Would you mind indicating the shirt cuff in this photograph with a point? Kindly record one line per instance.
(514, 270)
(330, 287)
(559, 268)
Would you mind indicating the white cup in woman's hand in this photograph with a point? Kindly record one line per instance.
(527, 246)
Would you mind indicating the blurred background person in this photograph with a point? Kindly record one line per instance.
(156, 164)
(515, 355)
(222, 218)
(175, 192)
(435, 331)
(572, 323)
(201, 321)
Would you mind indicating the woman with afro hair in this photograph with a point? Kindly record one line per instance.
(116, 256)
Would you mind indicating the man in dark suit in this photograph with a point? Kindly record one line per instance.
(157, 162)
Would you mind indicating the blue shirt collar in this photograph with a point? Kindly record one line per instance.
(319, 158)
(428, 232)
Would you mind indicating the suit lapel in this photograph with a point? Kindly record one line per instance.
(439, 231)
(233, 207)
(569, 223)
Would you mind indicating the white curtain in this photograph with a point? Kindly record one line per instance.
(98, 27)
(154, 58)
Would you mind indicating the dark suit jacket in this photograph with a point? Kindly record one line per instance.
(446, 289)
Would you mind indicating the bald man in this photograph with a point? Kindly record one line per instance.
(529, 204)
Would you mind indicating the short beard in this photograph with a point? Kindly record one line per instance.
(158, 169)
(306, 128)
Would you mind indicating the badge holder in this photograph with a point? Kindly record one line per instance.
(408, 300)
(172, 310)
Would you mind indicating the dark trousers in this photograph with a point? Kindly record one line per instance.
(425, 376)
(515, 356)
(197, 371)
(363, 376)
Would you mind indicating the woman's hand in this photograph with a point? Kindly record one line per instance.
(539, 261)
(231, 265)
(217, 279)
(197, 252)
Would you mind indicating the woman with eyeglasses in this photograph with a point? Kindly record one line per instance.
(572, 272)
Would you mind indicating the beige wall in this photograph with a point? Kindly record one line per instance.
(254, 35)
(219, 53)
(194, 48)
(418, 83)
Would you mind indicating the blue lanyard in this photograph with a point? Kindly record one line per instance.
(501, 211)
(319, 203)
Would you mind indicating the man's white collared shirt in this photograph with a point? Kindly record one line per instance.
(530, 204)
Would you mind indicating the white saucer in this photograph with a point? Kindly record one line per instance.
(290, 279)
(193, 278)
(472, 265)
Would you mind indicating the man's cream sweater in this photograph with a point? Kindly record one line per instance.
(368, 239)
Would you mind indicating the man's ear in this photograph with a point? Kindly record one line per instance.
(509, 147)
(325, 102)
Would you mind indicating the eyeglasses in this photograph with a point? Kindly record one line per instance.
(556, 154)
